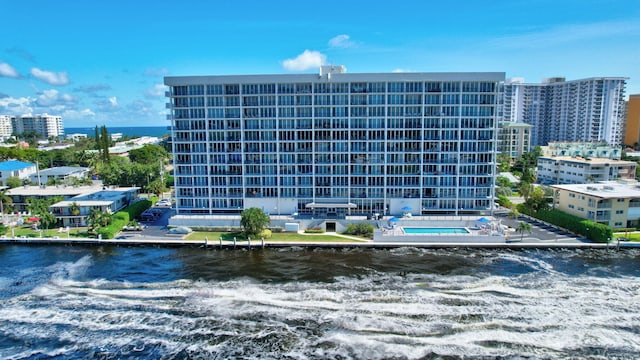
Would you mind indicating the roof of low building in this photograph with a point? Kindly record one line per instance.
(63, 170)
(14, 165)
(605, 189)
(590, 160)
(54, 190)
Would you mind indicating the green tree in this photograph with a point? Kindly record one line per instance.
(504, 162)
(149, 154)
(13, 182)
(522, 228)
(526, 189)
(504, 201)
(54, 181)
(156, 187)
(105, 142)
(97, 220)
(47, 220)
(254, 220)
(538, 199)
(6, 202)
(74, 208)
(504, 186)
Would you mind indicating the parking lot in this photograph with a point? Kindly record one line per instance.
(155, 220)
(540, 231)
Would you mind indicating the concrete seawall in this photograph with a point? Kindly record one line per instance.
(336, 245)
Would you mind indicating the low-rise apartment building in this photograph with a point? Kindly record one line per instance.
(74, 211)
(15, 168)
(64, 174)
(614, 203)
(582, 170)
(20, 194)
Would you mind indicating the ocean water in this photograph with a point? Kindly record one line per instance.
(137, 131)
(115, 302)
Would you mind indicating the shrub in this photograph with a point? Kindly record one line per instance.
(314, 231)
(360, 229)
(266, 234)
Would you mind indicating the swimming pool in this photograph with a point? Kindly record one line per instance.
(435, 231)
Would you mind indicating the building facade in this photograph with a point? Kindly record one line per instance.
(333, 144)
(514, 139)
(6, 127)
(68, 175)
(578, 110)
(616, 204)
(583, 149)
(632, 125)
(73, 212)
(14, 168)
(583, 170)
(20, 194)
(45, 125)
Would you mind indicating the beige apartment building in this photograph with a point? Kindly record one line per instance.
(614, 203)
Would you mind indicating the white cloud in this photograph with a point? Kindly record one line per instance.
(109, 105)
(307, 60)
(16, 106)
(156, 91)
(50, 77)
(53, 98)
(7, 70)
(401, 70)
(341, 41)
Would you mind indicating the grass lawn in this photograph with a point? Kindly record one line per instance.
(275, 237)
(28, 232)
(630, 236)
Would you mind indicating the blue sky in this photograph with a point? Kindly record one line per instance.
(103, 62)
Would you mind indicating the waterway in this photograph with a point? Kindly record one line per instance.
(179, 303)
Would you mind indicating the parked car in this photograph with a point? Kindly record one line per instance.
(163, 202)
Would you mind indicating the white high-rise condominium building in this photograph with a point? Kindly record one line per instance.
(6, 127)
(577, 110)
(333, 143)
(43, 124)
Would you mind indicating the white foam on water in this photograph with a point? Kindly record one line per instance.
(372, 316)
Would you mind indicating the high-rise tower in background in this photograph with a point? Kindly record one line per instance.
(333, 143)
(632, 129)
(578, 110)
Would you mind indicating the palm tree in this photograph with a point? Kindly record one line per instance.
(522, 227)
(75, 209)
(5, 201)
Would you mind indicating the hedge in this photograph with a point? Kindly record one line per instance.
(134, 210)
(118, 221)
(122, 217)
(591, 230)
